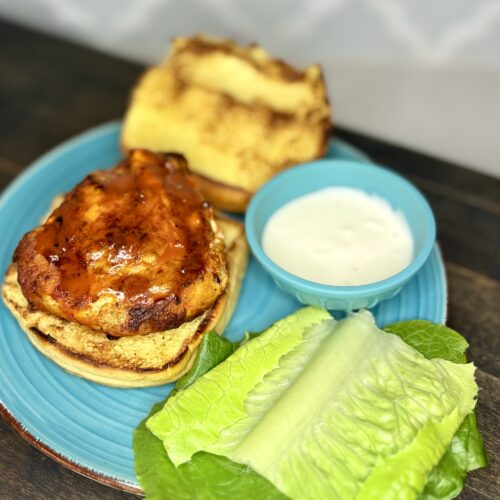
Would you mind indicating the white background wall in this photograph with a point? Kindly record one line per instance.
(424, 73)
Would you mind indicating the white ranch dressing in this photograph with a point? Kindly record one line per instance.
(339, 236)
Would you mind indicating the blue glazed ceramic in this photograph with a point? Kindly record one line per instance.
(86, 426)
(372, 179)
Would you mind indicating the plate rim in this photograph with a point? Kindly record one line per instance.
(63, 460)
(16, 185)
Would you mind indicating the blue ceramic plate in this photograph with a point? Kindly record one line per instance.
(86, 426)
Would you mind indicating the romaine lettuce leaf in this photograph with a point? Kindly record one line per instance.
(431, 340)
(466, 451)
(213, 350)
(231, 382)
(364, 408)
(218, 477)
(206, 476)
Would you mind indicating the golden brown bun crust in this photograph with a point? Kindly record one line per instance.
(239, 116)
(131, 250)
(229, 198)
(133, 361)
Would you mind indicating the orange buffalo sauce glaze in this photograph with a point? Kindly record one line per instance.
(128, 231)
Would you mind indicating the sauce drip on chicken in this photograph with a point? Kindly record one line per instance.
(131, 250)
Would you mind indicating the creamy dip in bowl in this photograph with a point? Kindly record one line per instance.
(340, 234)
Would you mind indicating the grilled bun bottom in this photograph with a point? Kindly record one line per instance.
(131, 361)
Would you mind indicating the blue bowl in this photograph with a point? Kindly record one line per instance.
(370, 178)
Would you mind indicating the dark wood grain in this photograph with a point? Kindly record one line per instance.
(485, 483)
(50, 90)
(26, 473)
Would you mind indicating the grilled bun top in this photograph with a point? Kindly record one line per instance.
(249, 75)
(238, 115)
(131, 250)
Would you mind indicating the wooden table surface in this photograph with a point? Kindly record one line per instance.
(51, 90)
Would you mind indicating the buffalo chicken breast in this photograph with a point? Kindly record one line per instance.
(130, 251)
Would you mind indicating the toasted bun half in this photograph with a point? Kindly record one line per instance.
(133, 361)
(238, 115)
(225, 197)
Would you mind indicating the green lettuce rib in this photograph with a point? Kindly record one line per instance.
(190, 415)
